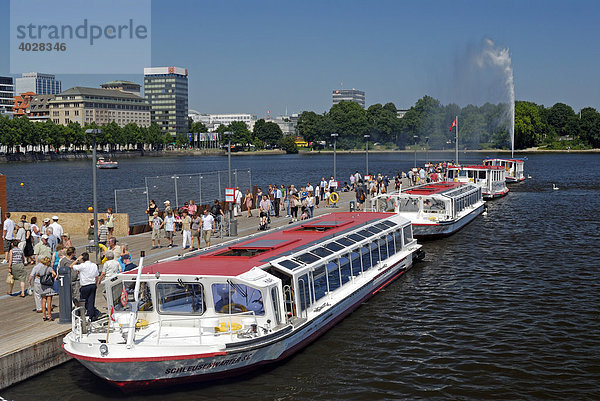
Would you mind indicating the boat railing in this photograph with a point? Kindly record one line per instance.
(78, 323)
(213, 326)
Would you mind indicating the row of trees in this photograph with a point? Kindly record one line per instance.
(47, 135)
(428, 121)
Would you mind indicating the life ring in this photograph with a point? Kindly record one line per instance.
(233, 308)
(223, 327)
(141, 323)
(334, 197)
(104, 249)
(471, 180)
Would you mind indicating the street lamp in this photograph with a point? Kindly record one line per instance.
(367, 136)
(415, 137)
(427, 149)
(334, 136)
(94, 132)
(229, 134)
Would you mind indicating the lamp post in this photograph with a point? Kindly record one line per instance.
(426, 149)
(415, 137)
(334, 136)
(94, 132)
(229, 134)
(367, 136)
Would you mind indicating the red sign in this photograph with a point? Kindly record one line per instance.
(368, 178)
(229, 194)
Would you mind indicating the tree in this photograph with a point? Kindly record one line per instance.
(310, 126)
(590, 127)
(350, 122)
(562, 118)
(528, 124)
(198, 127)
(288, 144)
(268, 132)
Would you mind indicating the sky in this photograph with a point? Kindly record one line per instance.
(254, 56)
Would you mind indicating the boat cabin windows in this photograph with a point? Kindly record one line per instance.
(303, 291)
(345, 268)
(123, 295)
(180, 298)
(408, 235)
(237, 298)
(333, 275)
(319, 282)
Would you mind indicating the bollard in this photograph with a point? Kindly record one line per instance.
(352, 206)
(65, 294)
(233, 228)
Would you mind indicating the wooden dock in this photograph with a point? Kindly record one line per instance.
(30, 345)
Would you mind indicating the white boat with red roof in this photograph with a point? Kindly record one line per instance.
(236, 306)
(491, 179)
(436, 209)
(513, 167)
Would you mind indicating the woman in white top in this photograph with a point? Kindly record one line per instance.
(35, 231)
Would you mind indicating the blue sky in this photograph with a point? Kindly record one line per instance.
(254, 56)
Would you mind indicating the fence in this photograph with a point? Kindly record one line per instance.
(178, 189)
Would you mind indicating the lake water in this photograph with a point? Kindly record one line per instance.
(505, 309)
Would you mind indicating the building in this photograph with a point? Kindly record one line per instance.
(102, 106)
(351, 95)
(401, 112)
(21, 104)
(124, 86)
(34, 107)
(166, 89)
(38, 83)
(7, 89)
(213, 121)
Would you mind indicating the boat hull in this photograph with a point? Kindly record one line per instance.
(494, 195)
(428, 231)
(142, 373)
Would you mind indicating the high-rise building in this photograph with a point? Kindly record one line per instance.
(350, 95)
(102, 106)
(38, 83)
(166, 89)
(6, 96)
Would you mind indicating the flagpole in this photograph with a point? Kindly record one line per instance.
(456, 140)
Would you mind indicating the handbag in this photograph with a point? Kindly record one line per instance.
(10, 279)
(47, 279)
(297, 202)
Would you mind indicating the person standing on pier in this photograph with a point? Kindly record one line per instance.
(16, 267)
(208, 227)
(277, 201)
(57, 229)
(196, 231)
(322, 186)
(8, 234)
(88, 277)
(102, 232)
(237, 211)
(186, 230)
(52, 239)
(169, 227)
(156, 224)
(248, 203)
(46, 292)
(110, 220)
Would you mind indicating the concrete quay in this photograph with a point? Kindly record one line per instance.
(30, 345)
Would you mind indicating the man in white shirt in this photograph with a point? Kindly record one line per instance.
(110, 268)
(277, 195)
(88, 279)
(208, 227)
(238, 202)
(309, 188)
(332, 184)
(57, 229)
(8, 234)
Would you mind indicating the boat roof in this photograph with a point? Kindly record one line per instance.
(238, 257)
(434, 188)
(506, 160)
(478, 167)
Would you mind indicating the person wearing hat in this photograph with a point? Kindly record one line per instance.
(57, 229)
(41, 249)
(156, 225)
(167, 207)
(66, 240)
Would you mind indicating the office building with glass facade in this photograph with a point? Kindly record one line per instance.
(38, 83)
(166, 89)
(350, 95)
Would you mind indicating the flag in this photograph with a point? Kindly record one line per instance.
(124, 297)
(453, 123)
(112, 311)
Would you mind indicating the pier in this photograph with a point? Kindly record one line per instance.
(31, 346)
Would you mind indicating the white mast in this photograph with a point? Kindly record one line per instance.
(456, 158)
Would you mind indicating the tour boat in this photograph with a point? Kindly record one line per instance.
(491, 179)
(236, 306)
(513, 167)
(437, 209)
(101, 163)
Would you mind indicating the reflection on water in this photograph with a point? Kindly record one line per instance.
(505, 309)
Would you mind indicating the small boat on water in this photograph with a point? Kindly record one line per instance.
(237, 306)
(437, 209)
(101, 163)
(514, 168)
(491, 179)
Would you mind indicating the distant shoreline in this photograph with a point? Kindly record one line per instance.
(25, 158)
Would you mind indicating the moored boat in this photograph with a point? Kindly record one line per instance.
(491, 179)
(437, 209)
(234, 307)
(103, 164)
(513, 167)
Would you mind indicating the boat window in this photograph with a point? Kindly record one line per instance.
(374, 229)
(319, 282)
(334, 247)
(345, 241)
(355, 259)
(482, 175)
(398, 240)
(408, 205)
(180, 298)
(364, 233)
(388, 223)
(408, 235)
(289, 264)
(276, 305)
(122, 296)
(381, 226)
(307, 258)
(374, 253)
(303, 291)
(433, 205)
(333, 275)
(365, 255)
(390, 244)
(383, 253)
(356, 237)
(345, 268)
(237, 298)
(322, 252)
(247, 252)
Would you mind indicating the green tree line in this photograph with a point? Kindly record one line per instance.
(428, 122)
